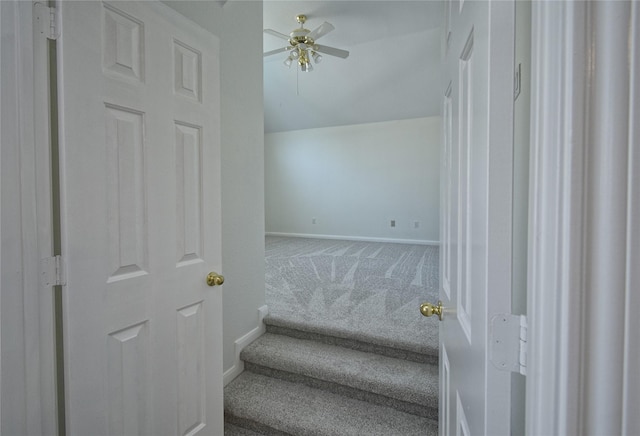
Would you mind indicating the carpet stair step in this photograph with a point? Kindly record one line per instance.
(233, 430)
(347, 339)
(271, 406)
(408, 386)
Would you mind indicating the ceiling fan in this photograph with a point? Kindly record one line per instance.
(302, 45)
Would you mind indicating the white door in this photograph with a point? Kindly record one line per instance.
(476, 220)
(140, 169)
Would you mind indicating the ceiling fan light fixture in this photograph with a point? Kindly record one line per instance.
(304, 62)
(294, 54)
(316, 57)
(288, 61)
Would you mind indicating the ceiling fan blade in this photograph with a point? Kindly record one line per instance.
(276, 51)
(276, 34)
(331, 51)
(321, 30)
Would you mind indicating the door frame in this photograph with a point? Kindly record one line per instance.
(584, 232)
(25, 293)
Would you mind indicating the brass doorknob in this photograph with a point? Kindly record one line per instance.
(214, 279)
(428, 309)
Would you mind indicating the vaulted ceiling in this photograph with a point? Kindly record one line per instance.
(392, 72)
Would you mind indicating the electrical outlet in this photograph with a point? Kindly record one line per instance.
(393, 223)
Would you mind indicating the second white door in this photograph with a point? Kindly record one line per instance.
(477, 183)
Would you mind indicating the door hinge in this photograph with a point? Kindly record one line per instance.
(47, 21)
(508, 343)
(52, 271)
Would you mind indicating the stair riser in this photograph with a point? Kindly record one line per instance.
(253, 426)
(353, 344)
(404, 406)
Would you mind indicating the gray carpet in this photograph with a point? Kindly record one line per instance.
(404, 385)
(271, 406)
(233, 430)
(346, 350)
(369, 291)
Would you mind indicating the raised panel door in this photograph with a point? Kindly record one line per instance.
(140, 168)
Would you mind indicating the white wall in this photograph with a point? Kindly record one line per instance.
(242, 171)
(354, 180)
(238, 24)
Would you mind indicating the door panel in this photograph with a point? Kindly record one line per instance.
(139, 110)
(128, 382)
(474, 397)
(126, 193)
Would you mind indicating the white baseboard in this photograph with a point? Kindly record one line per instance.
(242, 342)
(355, 238)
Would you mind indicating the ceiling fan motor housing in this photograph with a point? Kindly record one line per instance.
(300, 36)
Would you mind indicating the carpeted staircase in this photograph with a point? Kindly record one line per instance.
(306, 377)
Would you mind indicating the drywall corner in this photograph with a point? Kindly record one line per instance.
(242, 138)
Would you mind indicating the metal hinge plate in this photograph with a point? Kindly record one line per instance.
(508, 343)
(47, 21)
(52, 271)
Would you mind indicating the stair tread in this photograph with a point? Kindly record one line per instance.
(394, 378)
(300, 410)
